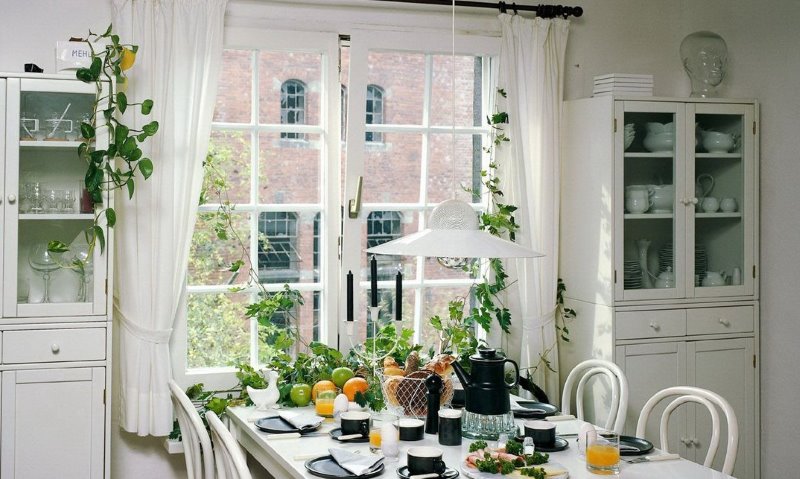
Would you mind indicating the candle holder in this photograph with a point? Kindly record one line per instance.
(372, 357)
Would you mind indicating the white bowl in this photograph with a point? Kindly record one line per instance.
(664, 141)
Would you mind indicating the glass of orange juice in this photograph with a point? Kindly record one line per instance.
(324, 403)
(602, 453)
(377, 421)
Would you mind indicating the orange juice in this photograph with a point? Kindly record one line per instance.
(602, 455)
(324, 407)
(375, 438)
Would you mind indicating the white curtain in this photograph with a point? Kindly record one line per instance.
(531, 71)
(180, 51)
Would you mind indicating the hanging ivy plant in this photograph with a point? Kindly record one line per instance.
(118, 165)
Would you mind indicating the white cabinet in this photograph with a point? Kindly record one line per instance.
(664, 279)
(53, 423)
(55, 326)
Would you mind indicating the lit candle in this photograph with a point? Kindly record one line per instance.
(373, 268)
(349, 295)
(398, 296)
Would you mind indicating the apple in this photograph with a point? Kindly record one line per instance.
(300, 394)
(339, 376)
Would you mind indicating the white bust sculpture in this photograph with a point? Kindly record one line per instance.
(704, 56)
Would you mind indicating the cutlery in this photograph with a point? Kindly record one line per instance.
(348, 437)
(293, 435)
(623, 447)
(660, 457)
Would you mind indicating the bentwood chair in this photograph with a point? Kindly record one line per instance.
(231, 463)
(196, 442)
(619, 391)
(711, 401)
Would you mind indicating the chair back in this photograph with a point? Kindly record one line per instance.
(196, 441)
(709, 399)
(619, 391)
(231, 463)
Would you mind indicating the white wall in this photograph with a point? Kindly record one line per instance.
(635, 36)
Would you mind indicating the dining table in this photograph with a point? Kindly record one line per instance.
(285, 458)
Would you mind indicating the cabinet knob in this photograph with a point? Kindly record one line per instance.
(12, 199)
(55, 348)
(694, 442)
(724, 322)
(684, 201)
(655, 326)
(694, 201)
(686, 441)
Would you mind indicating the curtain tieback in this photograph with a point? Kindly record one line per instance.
(540, 321)
(155, 336)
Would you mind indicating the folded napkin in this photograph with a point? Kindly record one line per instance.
(301, 421)
(355, 463)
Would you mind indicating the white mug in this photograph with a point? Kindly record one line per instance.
(728, 205)
(710, 204)
(637, 201)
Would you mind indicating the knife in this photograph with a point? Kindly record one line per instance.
(655, 458)
(293, 435)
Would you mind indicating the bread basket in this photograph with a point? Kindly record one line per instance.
(408, 396)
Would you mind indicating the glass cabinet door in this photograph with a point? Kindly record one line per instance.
(721, 183)
(649, 180)
(46, 200)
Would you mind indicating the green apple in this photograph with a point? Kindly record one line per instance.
(300, 394)
(339, 376)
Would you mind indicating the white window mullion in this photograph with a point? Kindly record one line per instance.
(254, 183)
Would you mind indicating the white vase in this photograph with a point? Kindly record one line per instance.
(644, 245)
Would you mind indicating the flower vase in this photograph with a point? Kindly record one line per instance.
(644, 245)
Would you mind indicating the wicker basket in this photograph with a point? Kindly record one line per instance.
(407, 395)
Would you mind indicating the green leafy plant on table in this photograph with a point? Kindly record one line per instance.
(117, 166)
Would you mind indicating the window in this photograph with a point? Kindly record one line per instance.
(287, 197)
(374, 112)
(293, 106)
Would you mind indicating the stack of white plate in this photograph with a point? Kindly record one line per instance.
(630, 134)
(633, 274)
(623, 84)
(665, 259)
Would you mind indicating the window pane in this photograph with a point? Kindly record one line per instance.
(386, 302)
(442, 184)
(287, 255)
(468, 86)
(234, 93)
(305, 317)
(218, 331)
(402, 78)
(275, 69)
(231, 150)
(435, 301)
(392, 169)
(383, 226)
(210, 258)
(289, 169)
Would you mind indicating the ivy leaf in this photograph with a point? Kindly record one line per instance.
(57, 247)
(97, 65)
(146, 167)
(135, 155)
(108, 30)
(127, 146)
(87, 131)
(236, 265)
(97, 231)
(85, 75)
(150, 128)
(122, 102)
(129, 184)
(111, 217)
(120, 134)
(147, 106)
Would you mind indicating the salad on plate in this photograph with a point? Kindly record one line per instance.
(484, 462)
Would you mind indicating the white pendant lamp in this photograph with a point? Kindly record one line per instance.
(453, 232)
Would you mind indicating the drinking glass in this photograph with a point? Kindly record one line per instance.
(602, 453)
(36, 198)
(68, 205)
(83, 267)
(45, 262)
(323, 405)
(377, 421)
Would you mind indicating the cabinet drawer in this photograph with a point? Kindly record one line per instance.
(51, 345)
(737, 319)
(651, 324)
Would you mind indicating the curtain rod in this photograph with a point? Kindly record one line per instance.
(544, 11)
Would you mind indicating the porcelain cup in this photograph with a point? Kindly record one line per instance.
(728, 205)
(710, 204)
(637, 201)
(663, 197)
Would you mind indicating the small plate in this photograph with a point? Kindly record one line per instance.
(325, 466)
(559, 445)
(533, 410)
(276, 425)
(449, 473)
(335, 433)
(643, 445)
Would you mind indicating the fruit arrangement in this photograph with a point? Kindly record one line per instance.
(404, 388)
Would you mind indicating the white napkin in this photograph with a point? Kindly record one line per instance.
(355, 463)
(301, 421)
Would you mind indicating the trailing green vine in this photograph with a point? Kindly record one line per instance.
(115, 167)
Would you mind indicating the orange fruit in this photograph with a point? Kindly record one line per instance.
(320, 386)
(394, 371)
(127, 57)
(354, 385)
